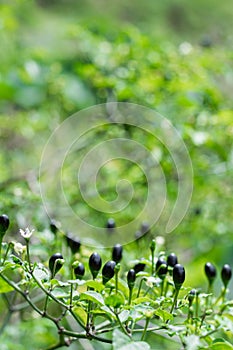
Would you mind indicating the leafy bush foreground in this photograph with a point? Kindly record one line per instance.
(87, 298)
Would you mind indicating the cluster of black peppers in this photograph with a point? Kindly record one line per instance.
(95, 262)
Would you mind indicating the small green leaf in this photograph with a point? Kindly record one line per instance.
(108, 312)
(78, 282)
(164, 315)
(41, 273)
(115, 300)
(229, 316)
(124, 315)
(219, 340)
(193, 342)
(92, 296)
(95, 285)
(122, 285)
(221, 344)
(5, 287)
(136, 345)
(60, 294)
(142, 300)
(119, 339)
(81, 314)
(122, 342)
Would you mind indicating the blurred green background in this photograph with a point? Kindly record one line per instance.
(58, 57)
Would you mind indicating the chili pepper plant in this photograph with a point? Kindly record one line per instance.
(121, 306)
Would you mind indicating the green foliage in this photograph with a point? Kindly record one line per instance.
(118, 314)
(52, 67)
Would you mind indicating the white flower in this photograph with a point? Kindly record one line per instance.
(26, 234)
(19, 248)
(160, 240)
(185, 48)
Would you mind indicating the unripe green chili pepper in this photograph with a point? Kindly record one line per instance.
(152, 245)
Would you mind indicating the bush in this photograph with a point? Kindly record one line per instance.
(126, 312)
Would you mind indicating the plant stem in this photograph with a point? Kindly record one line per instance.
(76, 319)
(130, 295)
(166, 288)
(47, 292)
(152, 262)
(162, 287)
(175, 300)
(71, 295)
(221, 296)
(84, 336)
(1, 237)
(46, 301)
(24, 305)
(88, 317)
(140, 287)
(145, 328)
(6, 321)
(116, 281)
(28, 255)
(121, 325)
(196, 311)
(25, 296)
(7, 251)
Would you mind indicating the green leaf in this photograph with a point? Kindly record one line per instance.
(229, 316)
(192, 342)
(115, 300)
(124, 315)
(221, 344)
(164, 315)
(136, 345)
(81, 314)
(108, 312)
(41, 273)
(122, 285)
(5, 287)
(92, 296)
(60, 294)
(122, 342)
(119, 339)
(95, 285)
(141, 300)
(77, 281)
